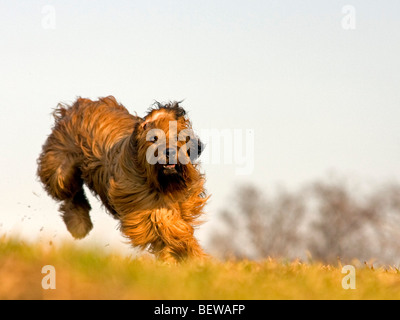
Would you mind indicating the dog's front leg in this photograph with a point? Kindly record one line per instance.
(176, 235)
(170, 237)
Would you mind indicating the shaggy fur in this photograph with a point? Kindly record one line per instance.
(98, 143)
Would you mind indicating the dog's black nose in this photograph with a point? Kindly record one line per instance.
(170, 152)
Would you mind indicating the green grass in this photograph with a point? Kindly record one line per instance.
(93, 274)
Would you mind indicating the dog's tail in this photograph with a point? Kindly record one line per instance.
(60, 112)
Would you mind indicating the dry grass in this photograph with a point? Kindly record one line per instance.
(92, 274)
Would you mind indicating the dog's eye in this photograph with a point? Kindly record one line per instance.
(153, 139)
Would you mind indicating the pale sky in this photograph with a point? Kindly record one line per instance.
(318, 98)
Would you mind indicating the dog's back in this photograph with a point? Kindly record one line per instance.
(104, 121)
(71, 155)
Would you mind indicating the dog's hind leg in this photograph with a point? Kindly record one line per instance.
(75, 213)
(61, 176)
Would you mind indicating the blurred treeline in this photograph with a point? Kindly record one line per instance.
(325, 221)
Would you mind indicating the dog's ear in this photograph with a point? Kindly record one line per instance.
(195, 149)
(137, 130)
(140, 125)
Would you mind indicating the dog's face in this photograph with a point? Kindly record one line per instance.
(166, 147)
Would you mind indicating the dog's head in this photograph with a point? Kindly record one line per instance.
(166, 147)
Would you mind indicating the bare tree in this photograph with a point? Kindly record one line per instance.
(328, 219)
(256, 226)
(353, 225)
(340, 228)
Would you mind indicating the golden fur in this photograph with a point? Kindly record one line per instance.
(98, 143)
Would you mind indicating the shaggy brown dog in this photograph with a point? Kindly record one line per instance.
(141, 168)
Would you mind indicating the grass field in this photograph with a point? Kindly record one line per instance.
(93, 274)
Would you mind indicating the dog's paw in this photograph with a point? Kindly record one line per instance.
(77, 220)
